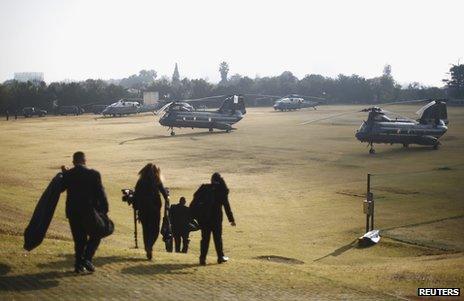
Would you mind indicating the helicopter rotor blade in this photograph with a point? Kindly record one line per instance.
(163, 108)
(315, 97)
(367, 109)
(399, 102)
(202, 98)
(327, 118)
(264, 96)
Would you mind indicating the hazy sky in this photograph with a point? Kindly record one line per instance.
(113, 39)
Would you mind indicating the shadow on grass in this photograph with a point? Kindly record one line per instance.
(341, 250)
(68, 261)
(172, 268)
(33, 282)
(192, 135)
(394, 149)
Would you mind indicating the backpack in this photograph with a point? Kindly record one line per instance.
(201, 207)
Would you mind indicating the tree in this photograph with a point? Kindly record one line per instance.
(176, 76)
(385, 87)
(16, 95)
(224, 70)
(455, 84)
(201, 88)
(140, 81)
(287, 83)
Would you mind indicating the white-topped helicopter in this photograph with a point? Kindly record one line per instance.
(295, 102)
(122, 107)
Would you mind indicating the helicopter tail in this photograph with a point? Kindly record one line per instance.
(433, 112)
(233, 104)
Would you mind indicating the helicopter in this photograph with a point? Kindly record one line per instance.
(122, 107)
(181, 114)
(295, 102)
(380, 128)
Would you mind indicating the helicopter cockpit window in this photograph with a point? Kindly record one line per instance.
(381, 117)
(182, 108)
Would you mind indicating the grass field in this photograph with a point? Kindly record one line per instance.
(296, 192)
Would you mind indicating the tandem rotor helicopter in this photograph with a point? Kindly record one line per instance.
(181, 114)
(379, 128)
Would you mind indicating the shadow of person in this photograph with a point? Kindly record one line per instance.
(172, 268)
(68, 261)
(4, 269)
(32, 282)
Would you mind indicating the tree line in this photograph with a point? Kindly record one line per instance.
(346, 89)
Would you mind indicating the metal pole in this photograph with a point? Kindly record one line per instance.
(135, 228)
(372, 217)
(367, 196)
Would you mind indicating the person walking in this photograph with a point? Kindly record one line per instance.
(211, 221)
(85, 194)
(148, 203)
(180, 218)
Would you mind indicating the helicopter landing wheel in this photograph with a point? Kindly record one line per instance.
(227, 131)
(436, 146)
(405, 145)
(210, 130)
(371, 150)
(173, 133)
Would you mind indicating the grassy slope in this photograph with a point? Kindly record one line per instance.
(294, 193)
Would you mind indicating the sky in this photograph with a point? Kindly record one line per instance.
(76, 40)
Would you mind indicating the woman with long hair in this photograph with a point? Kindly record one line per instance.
(213, 224)
(148, 202)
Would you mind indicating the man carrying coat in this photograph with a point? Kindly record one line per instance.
(85, 193)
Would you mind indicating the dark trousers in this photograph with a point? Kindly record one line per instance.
(206, 231)
(84, 245)
(151, 229)
(181, 238)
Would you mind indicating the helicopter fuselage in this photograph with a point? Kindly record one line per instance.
(427, 130)
(122, 107)
(183, 115)
(403, 132)
(200, 119)
(289, 104)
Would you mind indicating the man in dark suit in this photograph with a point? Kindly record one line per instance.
(211, 223)
(85, 193)
(180, 218)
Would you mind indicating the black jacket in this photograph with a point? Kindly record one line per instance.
(147, 196)
(84, 191)
(221, 198)
(180, 218)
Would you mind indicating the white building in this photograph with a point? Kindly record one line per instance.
(29, 76)
(150, 97)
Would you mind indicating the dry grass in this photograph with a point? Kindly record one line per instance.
(294, 190)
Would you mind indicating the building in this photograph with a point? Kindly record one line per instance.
(29, 76)
(150, 98)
